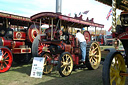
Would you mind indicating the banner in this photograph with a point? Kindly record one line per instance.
(37, 67)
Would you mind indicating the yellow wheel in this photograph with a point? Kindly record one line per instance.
(113, 66)
(93, 56)
(65, 64)
(48, 66)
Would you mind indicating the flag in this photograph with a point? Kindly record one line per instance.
(80, 13)
(85, 12)
(69, 14)
(109, 14)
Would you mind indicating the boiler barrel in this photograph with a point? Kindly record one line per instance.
(10, 43)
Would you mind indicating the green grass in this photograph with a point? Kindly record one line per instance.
(20, 75)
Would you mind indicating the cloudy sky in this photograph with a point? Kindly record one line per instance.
(28, 8)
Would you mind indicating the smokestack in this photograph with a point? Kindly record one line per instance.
(58, 6)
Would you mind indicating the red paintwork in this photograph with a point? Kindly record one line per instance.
(21, 50)
(12, 16)
(17, 35)
(11, 43)
(124, 35)
(33, 31)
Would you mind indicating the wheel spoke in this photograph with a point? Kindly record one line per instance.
(5, 63)
(97, 56)
(69, 62)
(119, 65)
(39, 52)
(4, 53)
(62, 66)
(95, 52)
(64, 70)
(6, 60)
(111, 80)
(118, 80)
(6, 57)
(68, 68)
(112, 69)
(63, 59)
(94, 49)
(67, 58)
(45, 63)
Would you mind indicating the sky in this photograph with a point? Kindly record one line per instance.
(27, 8)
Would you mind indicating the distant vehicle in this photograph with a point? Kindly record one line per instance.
(100, 39)
(108, 40)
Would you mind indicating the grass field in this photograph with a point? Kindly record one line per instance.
(20, 75)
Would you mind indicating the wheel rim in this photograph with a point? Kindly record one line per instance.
(5, 60)
(117, 67)
(47, 64)
(66, 64)
(95, 55)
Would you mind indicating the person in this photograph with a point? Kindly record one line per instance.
(80, 38)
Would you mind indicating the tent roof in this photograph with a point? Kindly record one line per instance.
(121, 4)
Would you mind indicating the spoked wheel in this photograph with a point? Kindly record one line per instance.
(48, 66)
(5, 59)
(113, 68)
(38, 47)
(93, 56)
(65, 64)
(22, 58)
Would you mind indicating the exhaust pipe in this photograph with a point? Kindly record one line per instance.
(58, 6)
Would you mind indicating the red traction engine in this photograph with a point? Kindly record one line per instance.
(16, 45)
(59, 46)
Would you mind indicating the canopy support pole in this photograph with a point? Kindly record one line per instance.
(95, 33)
(52, 29)
(40, 26)
(113, 15)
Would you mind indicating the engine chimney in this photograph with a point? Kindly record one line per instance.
(58, 6)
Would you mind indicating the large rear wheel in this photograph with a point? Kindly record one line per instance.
(113, 68)
(6, 59)
(93, 56)
(65, 64)
(48, 66)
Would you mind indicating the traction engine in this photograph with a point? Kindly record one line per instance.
(15, 45)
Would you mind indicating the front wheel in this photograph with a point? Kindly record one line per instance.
(65, 64)
(113, 66)
(6, 59)
(48, 66)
